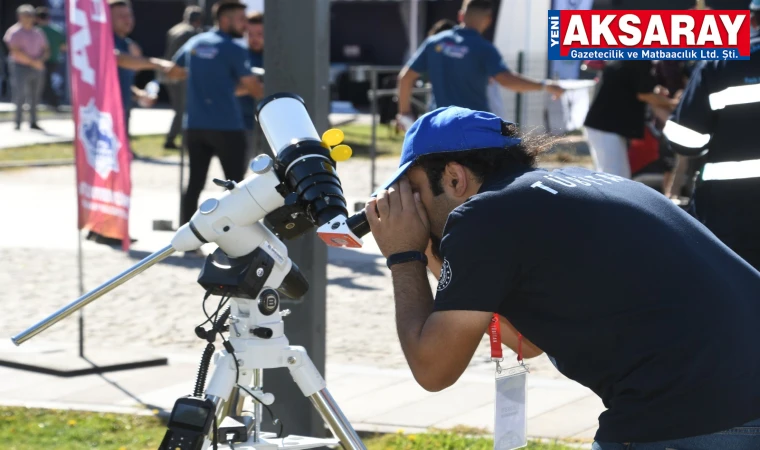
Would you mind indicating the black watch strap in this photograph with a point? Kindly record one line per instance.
(404, 257)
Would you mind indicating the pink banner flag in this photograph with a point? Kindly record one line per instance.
(102, 151)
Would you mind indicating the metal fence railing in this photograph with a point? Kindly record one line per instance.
(374, 94)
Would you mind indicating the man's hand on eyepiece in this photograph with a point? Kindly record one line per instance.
(398, 220)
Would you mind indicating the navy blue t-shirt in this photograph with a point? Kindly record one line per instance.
(126, 76)
(215, 63)
(630, 295)
(458, 63)
(247, 103)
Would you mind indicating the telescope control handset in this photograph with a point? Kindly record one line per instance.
(189, 424)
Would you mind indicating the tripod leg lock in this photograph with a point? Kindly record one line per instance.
(304, 373)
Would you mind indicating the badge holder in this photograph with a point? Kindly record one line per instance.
(510, 418)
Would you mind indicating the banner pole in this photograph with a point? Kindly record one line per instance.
(81, 292)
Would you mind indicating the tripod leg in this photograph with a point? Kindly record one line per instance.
(311, 383)
(340, 426)
(258, 409)
(223, 379)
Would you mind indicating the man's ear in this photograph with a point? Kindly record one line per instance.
(455, 179)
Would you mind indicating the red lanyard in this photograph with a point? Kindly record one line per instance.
(494, 332)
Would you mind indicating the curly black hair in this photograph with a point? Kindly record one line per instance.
(484, 162)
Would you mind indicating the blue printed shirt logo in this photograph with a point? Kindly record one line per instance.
(205, 52)
(100, 143)
(454, 51)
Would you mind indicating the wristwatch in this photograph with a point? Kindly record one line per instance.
(403, 257)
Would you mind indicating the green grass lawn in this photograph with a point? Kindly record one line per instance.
(34, 429)
(358, 137)
(147, 146)
(41, 114)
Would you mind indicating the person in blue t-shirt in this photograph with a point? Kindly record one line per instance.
(218, 69)
(254, 136)
(460, 62)
(634, 298)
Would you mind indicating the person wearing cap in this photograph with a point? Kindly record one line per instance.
(176, 37)
(28, 51)
(218, 69)
(460, 63)
(469, 204)
(714, 122)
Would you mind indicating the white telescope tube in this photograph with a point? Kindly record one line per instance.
(285, 121)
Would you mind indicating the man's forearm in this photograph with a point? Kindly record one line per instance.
(21, 57)
(136, 92)
(659, 101)
(127, 61)
(518, 83)
(414, 304)
(405, 95)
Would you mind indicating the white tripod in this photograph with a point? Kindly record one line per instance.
(254, 354)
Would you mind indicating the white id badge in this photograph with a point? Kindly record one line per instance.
(511, 424)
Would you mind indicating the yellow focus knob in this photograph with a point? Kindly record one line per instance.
(341, 153)
(332, 137)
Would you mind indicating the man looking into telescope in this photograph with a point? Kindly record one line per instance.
(647, 346)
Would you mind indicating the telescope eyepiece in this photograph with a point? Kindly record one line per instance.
(359, 224)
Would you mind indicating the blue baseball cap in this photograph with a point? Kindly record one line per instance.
(450, 129)
(755, 5)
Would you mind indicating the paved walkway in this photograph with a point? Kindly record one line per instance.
(144, 122)
(373, 399)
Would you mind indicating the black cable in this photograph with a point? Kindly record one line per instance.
(275, 419)
(221, 303)
(228, 346)
(205, 297)
(200, 380)
(215, 440)
(231, 350)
